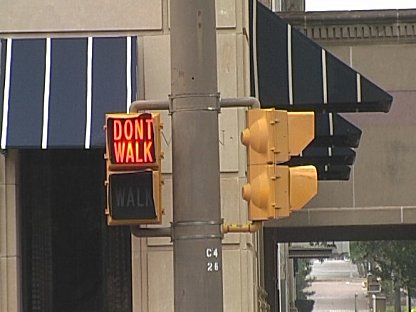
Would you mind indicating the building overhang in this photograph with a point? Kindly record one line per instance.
(340, 27)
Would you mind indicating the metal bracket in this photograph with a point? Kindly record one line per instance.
(253, 227)
(173, 109)
(185, 230)
(142, 105)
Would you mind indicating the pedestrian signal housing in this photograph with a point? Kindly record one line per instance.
(133, 158)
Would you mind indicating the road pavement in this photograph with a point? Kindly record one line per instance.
(337, 287)
(334, 270)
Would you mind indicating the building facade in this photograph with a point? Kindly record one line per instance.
(57, 253)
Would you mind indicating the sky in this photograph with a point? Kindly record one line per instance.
(334, 5)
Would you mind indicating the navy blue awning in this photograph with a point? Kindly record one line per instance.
(325, 156)
(55, 91)
(333, 130)
(290, 71)
(295, 73)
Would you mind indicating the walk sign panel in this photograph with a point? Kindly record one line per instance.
(132, 198)
(133, 168)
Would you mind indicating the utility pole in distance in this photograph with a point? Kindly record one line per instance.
(194, 108)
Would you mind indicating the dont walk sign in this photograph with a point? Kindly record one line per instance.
(133, 168)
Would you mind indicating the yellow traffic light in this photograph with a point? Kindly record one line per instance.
(260, 136)
(272, 137)
(133, 157)
(260, 192)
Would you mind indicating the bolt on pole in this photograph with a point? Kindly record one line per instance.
(194, 108)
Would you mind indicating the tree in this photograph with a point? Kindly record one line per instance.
(391, 260)
(303, 279)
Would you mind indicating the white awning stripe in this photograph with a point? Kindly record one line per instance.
(324, 78)
(289, 64)
(359, 88)
(89, 94)
(331, 124)
(46, 94)
(6, 94)
(128, 72)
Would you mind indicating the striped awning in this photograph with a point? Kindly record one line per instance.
(55, 91)
(290, 71)
(293, 72)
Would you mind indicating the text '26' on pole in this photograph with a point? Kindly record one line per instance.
(273, 189)
(133, 157)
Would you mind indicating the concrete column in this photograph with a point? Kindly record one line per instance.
(10, 255)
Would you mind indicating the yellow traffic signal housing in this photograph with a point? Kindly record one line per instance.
(260, 192)
(133, 157)
(276, 191)
(261, 136)
(282, 192)
(272, 137)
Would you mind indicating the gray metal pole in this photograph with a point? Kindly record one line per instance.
(197, 250)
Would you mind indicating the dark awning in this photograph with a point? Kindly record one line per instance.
(325, 156)
(295, 73)
(332, 163)
(55, 91)
(333, 130)
(331, 151)
(290, 71)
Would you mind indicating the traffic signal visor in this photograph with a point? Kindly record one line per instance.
(301, 131)
(303, 186)
(296, 186)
